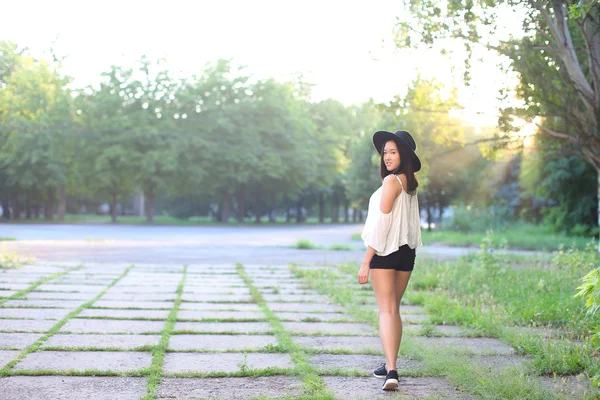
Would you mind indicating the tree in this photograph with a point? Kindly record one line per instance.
(108, 162)
(557, 57)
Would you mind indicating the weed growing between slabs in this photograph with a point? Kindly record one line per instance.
(314, 386)
(458, 367)
(38, 343)
(154, 372)
(39, 282)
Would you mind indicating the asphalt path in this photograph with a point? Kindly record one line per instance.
(191, 244)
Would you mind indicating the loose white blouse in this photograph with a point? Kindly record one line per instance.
(386, 233)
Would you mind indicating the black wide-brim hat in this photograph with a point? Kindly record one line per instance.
(402, 138)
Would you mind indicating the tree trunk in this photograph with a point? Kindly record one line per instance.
(321, 208)
(258, 210)
(150, 204)
(49, 205)
(335, 212)
(598, 172)
(288, 215)
(225, 208)
(440, 214)
(429, 217)
(241, 204)
(16, 209)
(354, 215)
(299, 211)
(28, 206)
(113, 207)
(5, 210)
(346, 211)
(62, 202)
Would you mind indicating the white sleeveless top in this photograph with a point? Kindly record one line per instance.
(386, 233)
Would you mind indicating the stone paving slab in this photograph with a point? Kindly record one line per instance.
(80, 280)
(7, 355)
(350, 388)
(190, 289)
(439, 330)
(7, 293)
(414, 318)
(329, 328)
(138, 304)
(81, 296)
(217, 297)
(139, 296)
(294, 298)
(313, 317)
(220, 342)
(571, 386)
(14, 286)
(476, 345)
(229, 388)
(210, 314)
(112, 326)
(121, 313)
(144, 289)
(223, 327)
(186, 305)
(26, 325)
(101, 341)
(71, 304)
(71, 288)
(17, 340)
(119, 361)
(72, 387)
(223, 362)
(361, 362)
(304, 307)
(356, 344)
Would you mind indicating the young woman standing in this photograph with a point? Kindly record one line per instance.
(392, 232)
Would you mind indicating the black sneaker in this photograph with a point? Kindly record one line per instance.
(380, 372)
(391, 381)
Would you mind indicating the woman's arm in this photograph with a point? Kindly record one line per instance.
(363, 273)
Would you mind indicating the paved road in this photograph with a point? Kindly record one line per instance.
(186, 245)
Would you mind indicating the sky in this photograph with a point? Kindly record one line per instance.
(344, 47)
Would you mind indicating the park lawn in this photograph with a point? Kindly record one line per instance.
(530, 306)
(162, 220)
(518, 236)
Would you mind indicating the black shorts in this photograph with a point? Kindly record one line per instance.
(401, 260)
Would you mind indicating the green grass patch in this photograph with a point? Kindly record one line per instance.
(313, 385)
(6, 239)
(154, 372)
(304, 244)
(488, 296)
(37, 283)
(56, 327)
(516, 236)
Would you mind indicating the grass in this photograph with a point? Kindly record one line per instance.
(6, 370)
(154, 372)
(303, 244)
(485, 294)
(5, 238)
(164, 220)
(13, 260)
(313, 385)
(517, 236)
(37, 283)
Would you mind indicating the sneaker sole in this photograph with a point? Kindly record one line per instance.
(379, 376)
(390, 384)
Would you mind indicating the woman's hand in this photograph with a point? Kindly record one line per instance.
(363, 274)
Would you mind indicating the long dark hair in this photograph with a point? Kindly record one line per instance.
(405, 167)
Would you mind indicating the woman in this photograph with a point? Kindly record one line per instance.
(392, 232)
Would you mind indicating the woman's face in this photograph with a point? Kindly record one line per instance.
(391, 156)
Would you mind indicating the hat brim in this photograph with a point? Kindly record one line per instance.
(382, 137)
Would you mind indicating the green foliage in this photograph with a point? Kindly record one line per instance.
(305, 244)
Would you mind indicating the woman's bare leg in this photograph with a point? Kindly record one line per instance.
(384, 285)
(401, 282)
